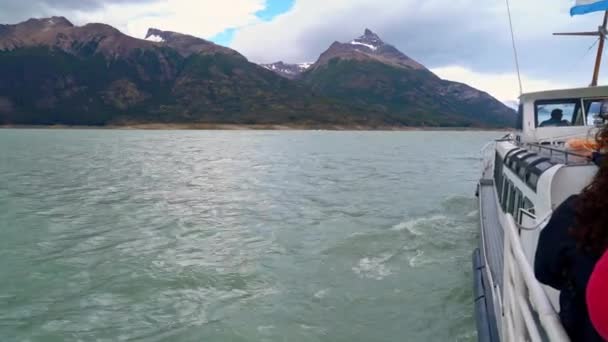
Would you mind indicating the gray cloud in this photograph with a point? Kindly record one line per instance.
(438, 33)
(14, 11)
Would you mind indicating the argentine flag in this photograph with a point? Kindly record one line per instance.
(588, 6)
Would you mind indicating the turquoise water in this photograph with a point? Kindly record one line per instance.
(237, 236)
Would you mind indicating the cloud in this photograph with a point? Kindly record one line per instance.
(202, 18)
(462, 40)
(469, 33)
(503, 86)
(14, 11)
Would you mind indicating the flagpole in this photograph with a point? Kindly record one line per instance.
(600, 51)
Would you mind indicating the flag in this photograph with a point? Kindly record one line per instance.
(588, 6)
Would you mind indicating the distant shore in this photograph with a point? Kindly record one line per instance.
(242, 127)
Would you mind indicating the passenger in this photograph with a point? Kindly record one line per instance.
(571, 244)
(597, 297)
(556, 119)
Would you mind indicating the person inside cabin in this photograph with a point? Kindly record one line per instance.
(570, 246)
(556, 120)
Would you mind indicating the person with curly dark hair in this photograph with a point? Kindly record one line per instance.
(570, 246)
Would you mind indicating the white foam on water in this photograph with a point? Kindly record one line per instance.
(420, 260)
(373, 268)
(413, 225)
(264, 329)
(321, 294)
(473, 213)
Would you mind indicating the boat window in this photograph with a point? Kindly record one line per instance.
(533, 181)
(519, 125)
(517, 205)
(498, 173)
(559, 113)
(505, 194)
(512, 194)
(529, 206)
(593, 108)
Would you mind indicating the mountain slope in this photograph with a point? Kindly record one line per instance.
(53, 72)
(291, 71)
(368, 72)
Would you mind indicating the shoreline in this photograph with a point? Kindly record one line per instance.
(243, 127)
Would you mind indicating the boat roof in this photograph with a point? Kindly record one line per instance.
(586, 92)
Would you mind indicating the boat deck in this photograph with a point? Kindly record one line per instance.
(492, 233)
(492, 246)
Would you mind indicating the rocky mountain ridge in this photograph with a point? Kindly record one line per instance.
(53, 72)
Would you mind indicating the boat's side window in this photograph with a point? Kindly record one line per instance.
(505, 194)
(512, 196)
(498, 165)
(593, 108)
(558, 113)
(528, 206)
(516, 201)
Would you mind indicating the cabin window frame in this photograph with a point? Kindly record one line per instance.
(507, 185)
(519, 125)
(498, 173)
(586, 108)
(578, 101)
(511, 198)
(526, 208)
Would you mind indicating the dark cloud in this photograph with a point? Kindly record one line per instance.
(14, 11)
(468, 33)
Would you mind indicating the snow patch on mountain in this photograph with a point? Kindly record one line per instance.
(155, 38)
(371, 47)
(287, 70)
(304, 66)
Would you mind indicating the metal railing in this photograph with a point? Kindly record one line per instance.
(528, 313)
(567, 156)
(487, 158)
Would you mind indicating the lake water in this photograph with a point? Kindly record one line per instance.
(237, 235)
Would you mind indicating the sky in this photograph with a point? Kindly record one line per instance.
(461, 40)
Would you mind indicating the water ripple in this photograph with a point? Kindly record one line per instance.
(236, 236)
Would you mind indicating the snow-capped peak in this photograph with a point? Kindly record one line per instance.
(287, 70)
(369, 39)
(304, 66)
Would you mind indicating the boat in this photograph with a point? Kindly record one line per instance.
(525, 175)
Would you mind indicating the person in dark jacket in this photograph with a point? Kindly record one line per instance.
(570, 246)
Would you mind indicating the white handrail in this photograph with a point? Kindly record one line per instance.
(523, 293)
(487, 157)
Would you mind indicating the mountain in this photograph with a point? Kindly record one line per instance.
(291, 71)
(187, 45)
(53, 72)
(367, 71)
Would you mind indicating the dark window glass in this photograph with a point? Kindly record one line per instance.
(519, 125)
(505, 194)
(593, 108)
(559, 113)
(512, 195)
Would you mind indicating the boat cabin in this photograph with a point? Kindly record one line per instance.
(581, 111)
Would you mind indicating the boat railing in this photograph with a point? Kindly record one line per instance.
(528, 313)
(565, 156)
(487, 158)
